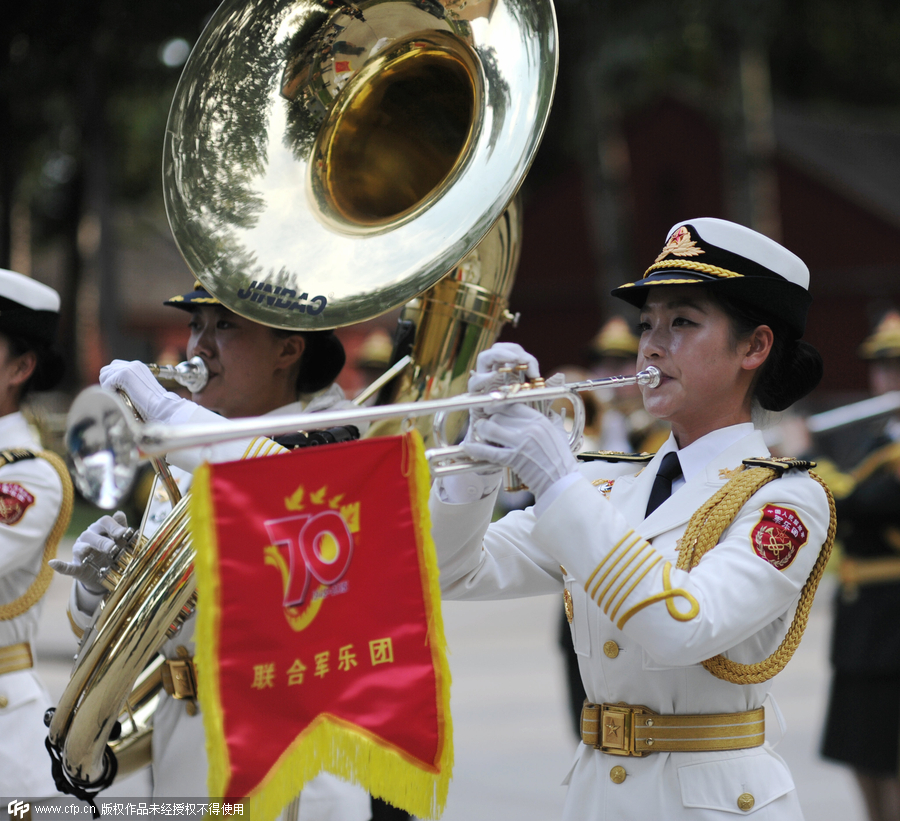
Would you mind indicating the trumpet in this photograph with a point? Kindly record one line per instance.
(106, 444)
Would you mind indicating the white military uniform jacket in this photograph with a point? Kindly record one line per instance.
(640, 638)
(179, 742)
(30, 498)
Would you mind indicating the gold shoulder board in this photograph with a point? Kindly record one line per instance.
(780, 463)
(8, 457)
(614, 456)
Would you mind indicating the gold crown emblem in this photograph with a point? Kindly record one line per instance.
(680, 244)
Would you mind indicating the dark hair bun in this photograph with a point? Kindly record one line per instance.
(50, 369)
(322, 361)
(789, 376)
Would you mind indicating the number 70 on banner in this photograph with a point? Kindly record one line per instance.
(319, 545)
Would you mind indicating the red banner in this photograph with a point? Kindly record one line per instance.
(320, 643)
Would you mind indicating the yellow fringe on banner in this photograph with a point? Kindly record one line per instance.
(206, 641)
(329, 744)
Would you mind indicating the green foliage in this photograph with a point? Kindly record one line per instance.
(70, 67)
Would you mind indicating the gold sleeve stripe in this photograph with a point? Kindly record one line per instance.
(666, 594)
(631, 572)
(627, 561)
(247, 453)
(657, 559)
(626, 549)
(615, 547)
(262, 446)
(273, 447)
(624, 552)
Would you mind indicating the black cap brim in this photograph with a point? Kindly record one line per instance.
(191, 300)
(782, 302)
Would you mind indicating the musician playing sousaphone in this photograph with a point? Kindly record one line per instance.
(865, 651)
(677, 618)
(253, 370)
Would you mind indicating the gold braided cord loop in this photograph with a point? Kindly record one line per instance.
(688, 265)
(702, 535)
(42, 581)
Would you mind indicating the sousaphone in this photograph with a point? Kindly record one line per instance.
(326, 163)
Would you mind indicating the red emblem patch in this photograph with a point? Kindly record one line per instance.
(779, 536)
(14, 501)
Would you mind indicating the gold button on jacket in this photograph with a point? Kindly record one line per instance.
(611, 649)
(745, 801)
(617, 775)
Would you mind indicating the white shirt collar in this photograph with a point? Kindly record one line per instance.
(325, 399)
(14, 431)
(696, 456)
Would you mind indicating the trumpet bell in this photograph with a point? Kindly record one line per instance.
(367, 149)
(101, 440)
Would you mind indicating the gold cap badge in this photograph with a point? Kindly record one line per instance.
(680, 244)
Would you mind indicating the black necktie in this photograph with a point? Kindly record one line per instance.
(669, 471)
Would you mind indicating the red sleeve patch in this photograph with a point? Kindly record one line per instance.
(14, 501)
(778, 536)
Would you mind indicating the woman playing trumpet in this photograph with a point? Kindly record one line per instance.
(253, 369)
(722, 311)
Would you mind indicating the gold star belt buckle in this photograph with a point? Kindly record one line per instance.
(610, 727)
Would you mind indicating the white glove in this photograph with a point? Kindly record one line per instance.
(152, 400)
(533, 445)
(485, 377)
(94, 552)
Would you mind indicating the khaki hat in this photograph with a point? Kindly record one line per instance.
(884, 342)
(376, 350)
(615, 338)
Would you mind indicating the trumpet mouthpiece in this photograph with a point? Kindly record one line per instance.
(192, 374)
(649, 378)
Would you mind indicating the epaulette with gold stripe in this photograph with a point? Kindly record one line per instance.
(9, 457)
(614, 456)
(780, 463)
